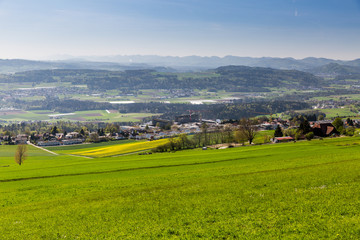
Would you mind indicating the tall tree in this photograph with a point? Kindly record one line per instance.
(278, 132)
(338, 124)
(20, 154)
(54, 130)
(204, 130)
(305, 127)
(248, 128)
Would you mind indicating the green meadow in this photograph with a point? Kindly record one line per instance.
(302, 190)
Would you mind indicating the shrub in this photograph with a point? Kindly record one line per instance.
(350, 131)
(309, 136)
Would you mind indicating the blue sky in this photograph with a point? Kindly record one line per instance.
(40, 29)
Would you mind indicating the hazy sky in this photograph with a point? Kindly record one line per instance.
(38, 29)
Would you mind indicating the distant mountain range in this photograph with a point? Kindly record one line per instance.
(214, 62)
(173, 64)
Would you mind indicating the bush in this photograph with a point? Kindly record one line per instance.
(267, 138)
(350, 131)
(309, 136)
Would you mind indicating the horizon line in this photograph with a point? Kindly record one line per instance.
(71, 57)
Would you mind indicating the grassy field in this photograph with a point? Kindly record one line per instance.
(336, 112)
(331, 113)
(302, 190)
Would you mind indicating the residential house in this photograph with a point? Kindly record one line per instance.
(324, 129)
(21, 139)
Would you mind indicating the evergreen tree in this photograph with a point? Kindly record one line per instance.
(278, 132)
(349, 122)
(54, 130)
(82, 132)
(305, 127)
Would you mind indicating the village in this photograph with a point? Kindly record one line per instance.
(189, 124)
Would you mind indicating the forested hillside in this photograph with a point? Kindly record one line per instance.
(230, 78)
(335, 69)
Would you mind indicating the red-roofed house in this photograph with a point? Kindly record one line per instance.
(324, 129)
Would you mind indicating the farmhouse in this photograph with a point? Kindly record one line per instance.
(21, 139)
(72, 135)
(72, 141)
(324, 129)
(48, 143)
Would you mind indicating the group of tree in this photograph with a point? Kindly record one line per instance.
(345, 129)
(246, 130)
(297, 118)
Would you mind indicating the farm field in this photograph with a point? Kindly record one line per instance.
(77, 147)
(302, 190)
(118, 149)
(331, 113)
(336, 112)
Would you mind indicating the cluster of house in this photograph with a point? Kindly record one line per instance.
(19, 139)
(320, 129)
(188, 124)
(45, 139)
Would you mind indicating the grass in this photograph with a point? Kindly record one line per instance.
(336, 112)
(259, 137)
(330, 112)
(303, 190)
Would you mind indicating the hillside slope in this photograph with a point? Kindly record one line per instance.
(295, 190)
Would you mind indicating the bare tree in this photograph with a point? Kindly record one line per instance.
(248, 129)
(240, 137)
(20, 154)
(204, 130)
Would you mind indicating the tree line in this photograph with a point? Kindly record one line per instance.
(246, 130)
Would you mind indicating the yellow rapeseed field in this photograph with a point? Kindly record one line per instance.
(121, 148)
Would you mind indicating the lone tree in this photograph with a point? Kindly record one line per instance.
(248, 129)
(20, 154)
